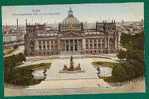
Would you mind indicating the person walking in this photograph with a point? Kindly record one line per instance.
(98, 71)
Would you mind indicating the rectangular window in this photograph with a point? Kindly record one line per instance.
(44, 46)
(40, 47)
(47, 46)
(86, 46)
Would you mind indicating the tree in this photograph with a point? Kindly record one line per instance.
(133, 66)
(119, 73)
(18, 76)
(121, 54)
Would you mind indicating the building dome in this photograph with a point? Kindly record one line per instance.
(70, 19)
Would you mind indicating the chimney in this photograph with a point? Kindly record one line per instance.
(17, 23)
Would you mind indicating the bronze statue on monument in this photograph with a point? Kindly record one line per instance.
(71, 68)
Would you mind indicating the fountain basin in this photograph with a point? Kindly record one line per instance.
(75, 71)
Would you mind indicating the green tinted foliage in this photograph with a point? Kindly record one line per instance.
(121, 54)
(18, 76)
(133, 66)
(119, 73)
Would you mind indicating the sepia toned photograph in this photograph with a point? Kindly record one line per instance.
(72, 49)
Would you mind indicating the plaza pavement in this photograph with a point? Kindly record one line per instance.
(65, 84)
(132, 87)
(66, 81)
(58, 64)
(71, 80)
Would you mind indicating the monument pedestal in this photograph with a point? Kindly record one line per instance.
(71, 68)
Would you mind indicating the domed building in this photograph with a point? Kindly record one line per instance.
(71, 37)
(70, 19)
(70, 23)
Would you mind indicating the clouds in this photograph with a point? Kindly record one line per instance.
(84, 12)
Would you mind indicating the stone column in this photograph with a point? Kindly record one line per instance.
(108, 44)
(50, 44)
(116, 43)
(37, 45)
(93, 43)
(101, 45)
(65, 45)
(69, 45)
(97, 43)
(105, 42)
(45, 45)
(83, 44)
(89, 44)
(58, 46)
(41, 45)
(78, 45)
(73, 45)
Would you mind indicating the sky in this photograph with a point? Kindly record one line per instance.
(90, 13)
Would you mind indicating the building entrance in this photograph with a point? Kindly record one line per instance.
(71, 46)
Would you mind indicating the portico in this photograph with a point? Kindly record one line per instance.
(71, 45)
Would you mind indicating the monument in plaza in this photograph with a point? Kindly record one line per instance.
(71, 68)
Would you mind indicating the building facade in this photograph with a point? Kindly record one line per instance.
(71, 37)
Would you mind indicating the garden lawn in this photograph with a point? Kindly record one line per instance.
(103, 64)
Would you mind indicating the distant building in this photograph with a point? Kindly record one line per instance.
(9, 38)
(13, 35)
(71, 37)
